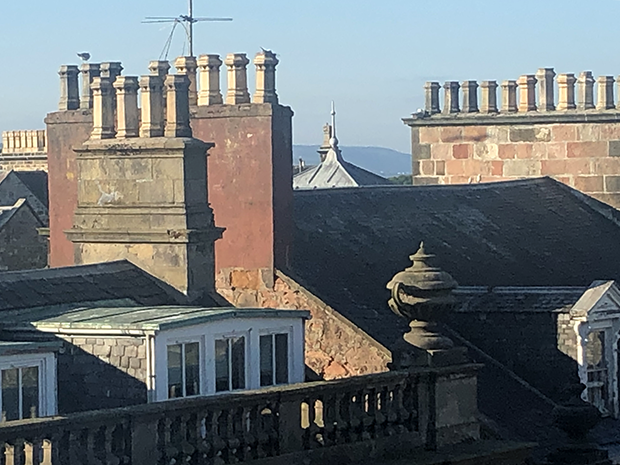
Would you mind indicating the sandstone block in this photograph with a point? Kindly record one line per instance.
(427, 167)
(524, 151)
(415, 168)
(614, 148)
(519, 168)
(522, 134)
(556, 150)
(454, 167)
(429, 135)
(425, 181)
(134, 363)
(507, 151)
(462, 151)
(563, 132)
(497, 168)
(441, 151)
(421, 151)
(440, 167)
(586, 149)
(589, 183)
(588, 132)
(451, 134)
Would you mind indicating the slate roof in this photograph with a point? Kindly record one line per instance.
(334, 171)
(535, 232)
(133, 318)
(6, 213)
(36, 181)
(518, 299)
(76, 285)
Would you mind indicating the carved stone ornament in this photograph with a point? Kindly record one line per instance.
(422, 294)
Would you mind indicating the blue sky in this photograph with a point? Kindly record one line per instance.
(371, 57)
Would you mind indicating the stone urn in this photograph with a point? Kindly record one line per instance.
(422, 294)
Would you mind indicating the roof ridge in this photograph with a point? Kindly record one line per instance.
(72, 270)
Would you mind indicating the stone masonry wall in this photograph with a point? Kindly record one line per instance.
(585, 156)
(32, 162)
(567, 338)
(525, 133)
(97, 373)
(335, 347)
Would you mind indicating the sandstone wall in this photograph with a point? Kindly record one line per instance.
(583, 155)
(335, 347)
(96, 373)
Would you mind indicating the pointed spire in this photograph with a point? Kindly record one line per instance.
(333, 141)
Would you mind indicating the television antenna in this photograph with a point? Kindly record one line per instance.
(187, 21)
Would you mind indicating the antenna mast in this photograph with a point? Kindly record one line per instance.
(187, 21)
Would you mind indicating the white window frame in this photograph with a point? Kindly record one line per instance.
(201, 365)
(246, 359)
(288, 330)
(46, 364)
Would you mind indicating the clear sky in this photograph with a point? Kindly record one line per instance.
(371, 57)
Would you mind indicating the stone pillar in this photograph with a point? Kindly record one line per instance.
(103, 109)
(127, 118)
(488, 102)
(527, 92)
(566, 92)
(585, 91)
(152, 106)
(545, 89)
(69, 88)
(187, 66)
(5, 142)
(509, 97)
(605, 93)
(177, 106)
(237, 79)
(266, 63)
(159, 68)
(110, 70)
(210, 92)
(451, 99)
(470, 96)
(89, 72)
(431, 92)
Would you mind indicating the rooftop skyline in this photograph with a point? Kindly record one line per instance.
(371, 58)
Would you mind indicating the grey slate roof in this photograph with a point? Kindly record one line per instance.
(537, 232)
(132, 318)
(517, 299)
(73, 285)
(334, 171)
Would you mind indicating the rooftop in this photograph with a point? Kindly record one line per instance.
(132, 318)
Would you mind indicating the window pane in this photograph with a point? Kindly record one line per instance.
(281, 358)
(266, 360)
(221, 365)
(10, 395)
(30, 392)
(192, 370)
(175, 373)
(238, 363)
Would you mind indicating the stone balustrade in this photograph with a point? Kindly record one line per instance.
(530, 93)
(24, 142)
(360, 416)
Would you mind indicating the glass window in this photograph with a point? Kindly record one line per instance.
(20, 393)
(274, 359)
(183, 370)
(229, 364)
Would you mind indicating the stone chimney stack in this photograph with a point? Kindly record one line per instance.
(69, 88)
(145, 199)
(210, 91)
(237, 79)
(103, 108)
(127, 117)
(266, 63)
(187, 66)
(177, 106)
(89, 72)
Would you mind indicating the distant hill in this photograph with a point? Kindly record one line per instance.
(380, 160)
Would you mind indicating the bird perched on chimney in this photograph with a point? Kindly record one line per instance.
(85, 56)
(267, 51)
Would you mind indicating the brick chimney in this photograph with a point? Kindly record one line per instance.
(250, 172)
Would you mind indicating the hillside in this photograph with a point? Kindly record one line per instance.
(380, 160)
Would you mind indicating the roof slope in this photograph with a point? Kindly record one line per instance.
(536, 232)
(85, 283)
(36, 181)
(335, 172)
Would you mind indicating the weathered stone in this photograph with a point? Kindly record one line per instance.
(518, 134)
(421, 151)
(585, 92)
(69, 88)
(488, 103)
(509, 97)
(605, 93)
(89, 71)
(265, 63)
(127, 117)
(566, 92)
(527, 93)
(451, 99)
(237, 79)
(210, 92)
(614, 148)
(177, 106)
(152, 106)
(187, 66)
(470, 97)
(103, 109)
(431, 98)
(545, 95)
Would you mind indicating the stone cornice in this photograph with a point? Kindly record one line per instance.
(180, 236)
(513, 119)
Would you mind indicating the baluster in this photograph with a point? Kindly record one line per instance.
(231, 440)
(28, 451)
(170, 451)
(9, 454)
(108, 446)
(329, 418)
(93, 449)
(341, 425)
(381, 412)
(186, 448)
(46, 452)
(218, 442)
(357, 415)
(247, 428)
(204, 446)
(368, 418)
(77, 447)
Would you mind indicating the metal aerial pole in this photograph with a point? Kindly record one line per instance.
(191, 28)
